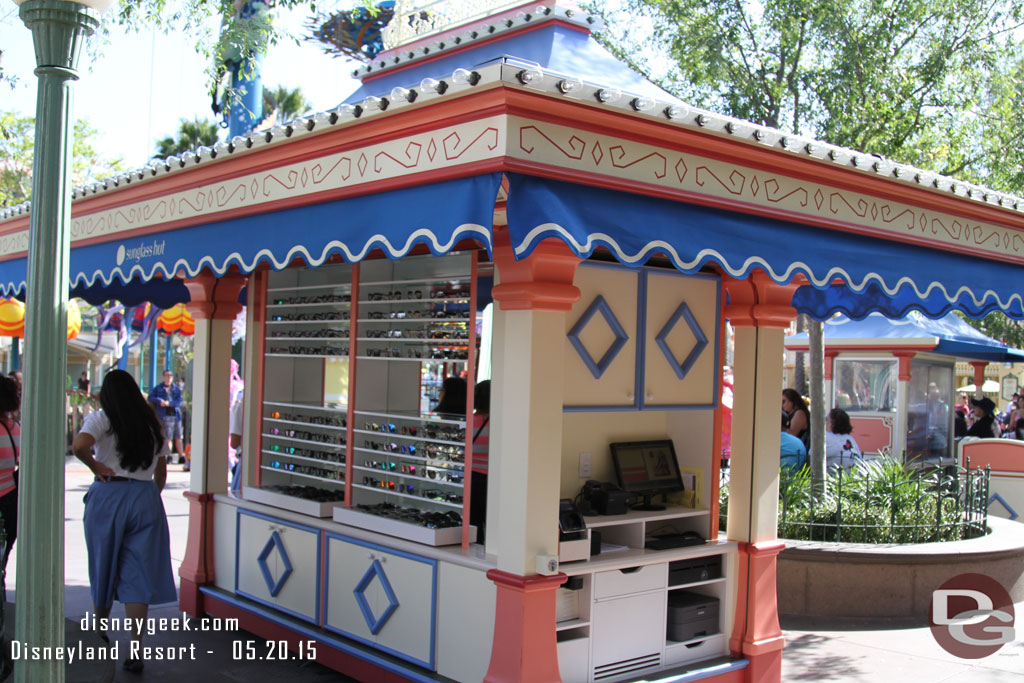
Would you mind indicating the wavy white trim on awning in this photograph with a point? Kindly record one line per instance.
(634, 228)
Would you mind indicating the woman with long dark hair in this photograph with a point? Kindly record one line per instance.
(795, 407)
(10, 450)
(125, 524)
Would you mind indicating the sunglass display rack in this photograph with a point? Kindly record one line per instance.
(408, 466)
(410, 324)
(303, 435)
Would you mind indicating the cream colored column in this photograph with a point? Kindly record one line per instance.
(754, 467)
(211, 372)
(527, 383)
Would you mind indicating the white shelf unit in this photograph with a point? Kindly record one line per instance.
(401, 454)
(302, 435)
(619, 630)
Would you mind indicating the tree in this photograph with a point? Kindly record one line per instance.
(191, 135)
(287, 103)
(932, 83)
(17, 143)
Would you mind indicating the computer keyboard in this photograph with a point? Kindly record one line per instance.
(674, 540)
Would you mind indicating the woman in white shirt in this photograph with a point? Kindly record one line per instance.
(841, 449)
(126, 530)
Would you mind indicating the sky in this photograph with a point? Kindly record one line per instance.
(137, 87)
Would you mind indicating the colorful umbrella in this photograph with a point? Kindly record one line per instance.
(176, 319)
(12, 318)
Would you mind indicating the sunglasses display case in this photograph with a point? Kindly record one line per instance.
(409, 324)
(304, 428)
(408, 464)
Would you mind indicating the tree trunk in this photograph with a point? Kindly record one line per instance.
(799, 378)
(816, 351)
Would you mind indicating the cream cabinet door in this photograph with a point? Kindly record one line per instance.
(278, 564)
(681, 364)
(601, 340)
(383, 597)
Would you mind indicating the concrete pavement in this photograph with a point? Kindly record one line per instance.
(814, 651)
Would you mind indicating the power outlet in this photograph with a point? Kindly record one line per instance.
(586, 465)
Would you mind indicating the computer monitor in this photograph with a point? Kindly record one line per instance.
(647, 468)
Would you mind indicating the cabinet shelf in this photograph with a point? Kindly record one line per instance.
(571, 624)
(418, 458)
(307, 322)
(440, 300)
(300, 288)
(332, 407)
(268, 468)
(403, 475)
(413, 415)
(302, 355)
(403, 340)
(303, 424)
(692, 641)
(311, 304)
(295, 439)
(413, 360)
(428, 281)
(694, 584)
(671, 512)
(417, 321)
(318, 461)
(405, 437)
(386, 492)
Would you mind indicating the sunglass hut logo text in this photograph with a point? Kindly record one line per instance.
(140, 252)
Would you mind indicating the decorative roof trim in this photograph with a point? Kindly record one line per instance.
(532, 78)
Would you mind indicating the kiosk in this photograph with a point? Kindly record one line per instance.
(506, 157)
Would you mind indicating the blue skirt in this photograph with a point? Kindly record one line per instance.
(129, 544)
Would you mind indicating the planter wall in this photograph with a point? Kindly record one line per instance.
(853, 583)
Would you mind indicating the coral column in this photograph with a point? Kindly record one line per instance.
(214, 306)
(759, 310)
(533, 296)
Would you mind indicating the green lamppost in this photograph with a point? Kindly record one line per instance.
(58, 30)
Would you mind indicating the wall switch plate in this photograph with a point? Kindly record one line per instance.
(586, 465)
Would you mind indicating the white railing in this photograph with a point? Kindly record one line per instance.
(417, 19)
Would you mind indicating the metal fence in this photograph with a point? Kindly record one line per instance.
(884, 501)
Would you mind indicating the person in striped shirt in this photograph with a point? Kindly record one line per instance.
(10, 449)
(481, 449)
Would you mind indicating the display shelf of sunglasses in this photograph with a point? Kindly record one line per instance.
(275, 354)
(299, 473)
(324, 407)
(440, 463)
(408, 437)
(400, 528)
(409, 496)
(303, 506)
(413, 415)
(419, 321)
(405, 475)
(298, 439)
(312, 304)
(432, 300)
(435, 281)
(308, 322)
(283, 420)
(333, 464)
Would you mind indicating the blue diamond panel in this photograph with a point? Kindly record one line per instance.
(682, 368)
(274, 586)
(597, 368)
(375, 623)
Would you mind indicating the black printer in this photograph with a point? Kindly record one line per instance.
(691, 615)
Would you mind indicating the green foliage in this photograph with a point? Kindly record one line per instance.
(17, 144)
(880, 501)
(191, 134)
(998, 326)
(288, 103)
(934, 83)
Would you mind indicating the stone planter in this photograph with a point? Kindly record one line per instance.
(853, 583)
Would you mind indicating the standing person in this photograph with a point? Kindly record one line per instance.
(452, 401)
(795, 407)
(841, 449)
(985, 425)
(166, 400)
(10, 449)
(126, 532)
(83, 382)
(235, 439)
(481, 452)
(16, 376)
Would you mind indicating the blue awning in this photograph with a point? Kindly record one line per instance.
(896, 276)
(953, 336)
(438, 215)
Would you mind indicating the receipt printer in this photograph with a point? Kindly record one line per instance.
(691, 615)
